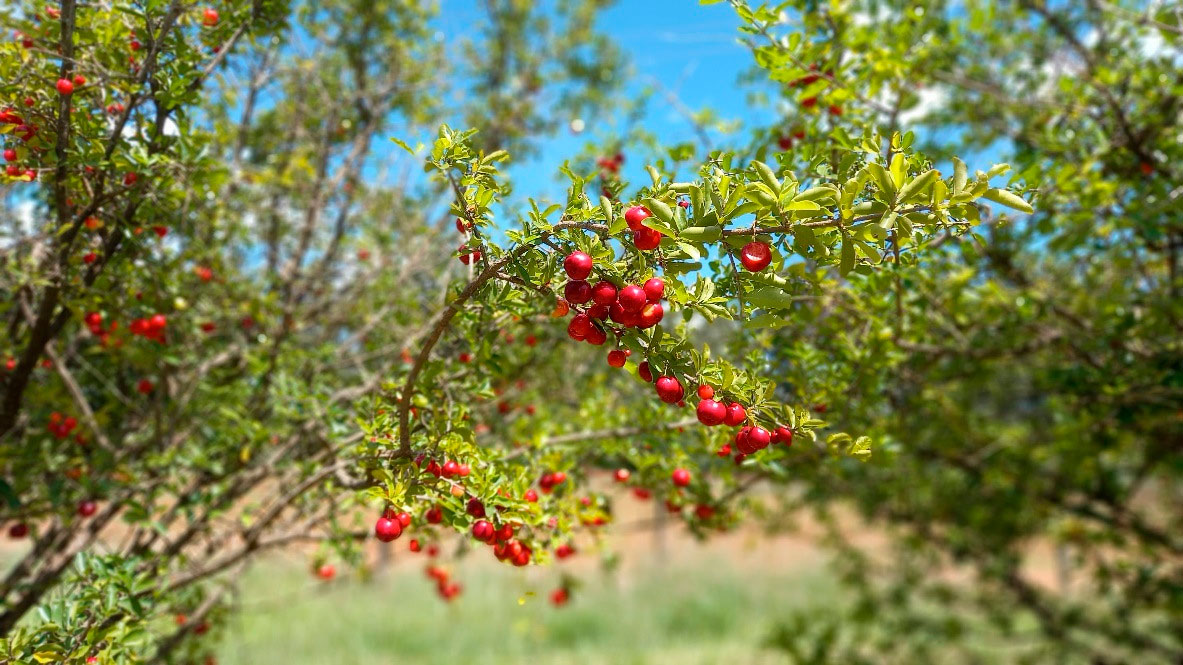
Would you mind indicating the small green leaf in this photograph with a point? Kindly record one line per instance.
(1008, 199)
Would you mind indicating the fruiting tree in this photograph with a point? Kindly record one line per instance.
(1023, 383)
(227, 331)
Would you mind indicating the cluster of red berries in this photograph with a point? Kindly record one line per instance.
(150, 328)
(632, 306)
(61, 426)
(8, 116)
(449, 469)
(390, 526)
(446, 588)
(549, 481)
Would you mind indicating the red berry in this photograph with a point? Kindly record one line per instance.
(646, 238)
(710, 412)
(654, 288)
(326, 572)
(669, 389)
(705, 391)
(644, 372)
(414, 545)
(65, 86)
(386, 530)
(579, 327)
(736, 414)
(755, 256)
(635, 215)
(475, 507)
(616, 358)
(578, 265)
(621, 475)
(404, 519)
(483, 530)
(559, 597)
(565, 550)
(651, 315)
(596, 336)
(681, 477)
(531, 496)
(434, 515)
(209, 17)
(632, 298)
(759, 438)
(87, 508)
(79, 79)
(18, 530)
(603, 293)
(144, 386)
(783, 435)
(10, 155)
(577, 292)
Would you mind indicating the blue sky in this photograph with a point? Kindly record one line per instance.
(696, 56)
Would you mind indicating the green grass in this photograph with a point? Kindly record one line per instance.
(707, 612)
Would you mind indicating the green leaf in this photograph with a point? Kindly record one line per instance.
(1008, 199)
(767, 175)
(917, 186)
(406, 147)
(899, 169)
(882, 179)
(847, 260)
(660, 210)
(960, 176)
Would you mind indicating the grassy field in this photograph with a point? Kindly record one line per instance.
(700, 610)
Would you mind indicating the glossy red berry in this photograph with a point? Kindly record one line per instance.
(209, 17)
(645, 238)
(604, 293)
(705, 391)
(654, 289)
(483, 530)
(635, 215)
(404, 519)
(681, 477)
(578, 265)
(755, 256)
(651, 315)
(759, 438)
(669, 389)
(736, 414)
(710, 412)
(577, 292)
(65, 86)
(783, 435)
(9, 155)
(387, 530)
(18, 530)
(144, 386)
(632, 298)
(644, 372)
(87, 508)
(621, 475)
(434, 515)
(596, 336)
(616, 358)
(580, 326)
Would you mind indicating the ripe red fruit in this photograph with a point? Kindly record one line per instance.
(144, 386)
(209, 17)
(835, 110)
(531, 496)
(755, 256)
(669, 389)
(654, 288)
(577, 292)
(783, 435)
(632, 298)
(475, 507)
(759, 438)
(646, 238)
(469, 256)
(742, 443)
(710, 412)
(404, 519)
(130, 179)
(635, 215)
(483, 530)
(603, 293)
(681, 477)
(87, 508)
(579, 327)
(596, 336)
(565, 550)
(79, 79)
(465, 357)
(736, 414)
(651, 315)
(616, 358)
(705, 391)
(598, 312)
(10, 155)
(621, 475)
(578, 265)
(326, 572)
(559, 597)
(65, 86)
(387, 530)
(414, 545)
(644, 372)
(434, 515)
(18, 530)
